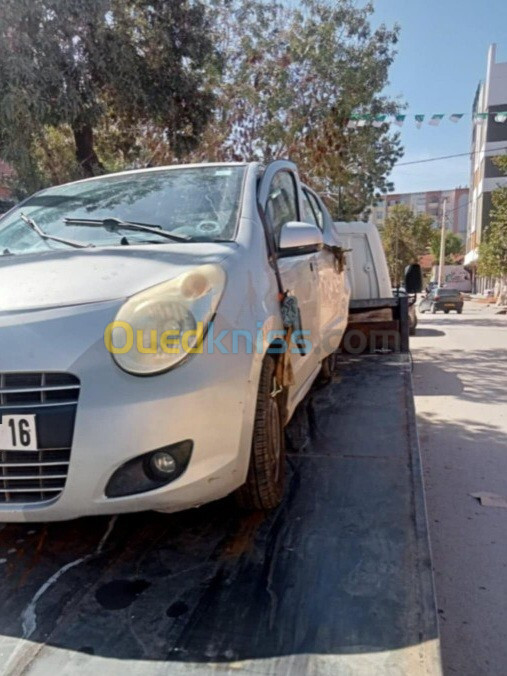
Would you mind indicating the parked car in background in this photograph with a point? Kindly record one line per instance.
(441, 299)
(142, 360)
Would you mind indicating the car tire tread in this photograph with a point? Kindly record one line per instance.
(261, 490)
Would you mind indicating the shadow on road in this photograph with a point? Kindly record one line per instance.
(424, 331)
(478, 376)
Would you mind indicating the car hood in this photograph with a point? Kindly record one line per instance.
(63, 278)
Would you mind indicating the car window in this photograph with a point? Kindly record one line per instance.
(448, 292)
(317, 209)
(201, 203)
(308, 212)
(282, 206)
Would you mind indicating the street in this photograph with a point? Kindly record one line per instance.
(461, 404)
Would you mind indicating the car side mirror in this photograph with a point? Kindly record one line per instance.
(413, 278)
(300, 237)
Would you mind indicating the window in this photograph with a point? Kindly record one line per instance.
(317, 209)
(282, 202)
(308, 210)
(201, 203)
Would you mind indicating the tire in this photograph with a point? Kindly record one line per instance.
(265, 480)
(446, 312)
(460, 310)
(326, 370)
(433, 310)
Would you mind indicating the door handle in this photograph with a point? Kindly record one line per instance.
(311, 266)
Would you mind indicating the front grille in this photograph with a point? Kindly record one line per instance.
(38, 476)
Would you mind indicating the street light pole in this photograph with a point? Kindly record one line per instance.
(442, 247)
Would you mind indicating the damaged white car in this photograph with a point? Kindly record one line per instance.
(157, 330)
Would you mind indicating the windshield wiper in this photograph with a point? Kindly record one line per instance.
(113, 224)
(43, 235)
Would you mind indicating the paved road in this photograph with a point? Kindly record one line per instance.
(460, 378)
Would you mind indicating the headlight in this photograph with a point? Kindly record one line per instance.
(157, 328)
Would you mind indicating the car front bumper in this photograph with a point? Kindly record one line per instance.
(210, 399)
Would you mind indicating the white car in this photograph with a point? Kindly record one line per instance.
(144, 362)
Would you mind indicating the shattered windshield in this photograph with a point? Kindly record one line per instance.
(197, 203)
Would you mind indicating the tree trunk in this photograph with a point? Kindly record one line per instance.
(85, 152)
(502, 295)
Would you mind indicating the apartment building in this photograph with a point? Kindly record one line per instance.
(489, 138)
(430, 203)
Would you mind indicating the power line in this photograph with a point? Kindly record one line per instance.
(448, 157)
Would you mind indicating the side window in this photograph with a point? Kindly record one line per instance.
(282, 202)
(308, 212)
(317, 209)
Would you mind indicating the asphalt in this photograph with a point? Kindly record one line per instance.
(336, 581)
(460, 380)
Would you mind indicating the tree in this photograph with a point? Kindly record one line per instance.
(291, 80)
(406, 237)
(493, 247)
(70, 66)
(453, 246)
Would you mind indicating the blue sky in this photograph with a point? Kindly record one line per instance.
(441, 58)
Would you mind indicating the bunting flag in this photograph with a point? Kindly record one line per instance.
(358, 120)
(379, 120)
(419, 119)
(436, 119)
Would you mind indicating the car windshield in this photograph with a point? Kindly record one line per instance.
(197, 203)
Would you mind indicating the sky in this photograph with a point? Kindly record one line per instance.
(442, 56)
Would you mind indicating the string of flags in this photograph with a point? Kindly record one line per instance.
(362, 120)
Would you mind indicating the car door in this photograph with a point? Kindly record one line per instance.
(280, 196)
(333, 288)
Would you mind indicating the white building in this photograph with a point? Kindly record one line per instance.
(489, 138)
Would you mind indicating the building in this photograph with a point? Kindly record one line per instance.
(430, 203)
(489, 138)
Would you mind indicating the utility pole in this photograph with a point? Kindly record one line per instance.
(442, 247)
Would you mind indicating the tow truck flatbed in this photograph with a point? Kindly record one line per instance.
(336, 581)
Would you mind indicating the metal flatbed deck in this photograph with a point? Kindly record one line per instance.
(336, 581)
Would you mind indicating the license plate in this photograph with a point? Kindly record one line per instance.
(449, 305)
(18, 433)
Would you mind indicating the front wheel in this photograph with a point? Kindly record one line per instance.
(265, 481)
(460, 310)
